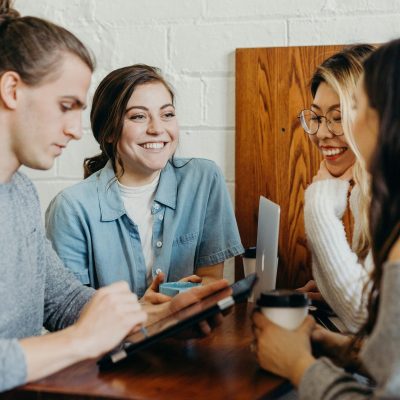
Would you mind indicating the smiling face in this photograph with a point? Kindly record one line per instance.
(365, 125)
(336, 152)
(149, 136)
(48, 115)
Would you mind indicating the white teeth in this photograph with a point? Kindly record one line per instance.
(159, 145)
(333, 152)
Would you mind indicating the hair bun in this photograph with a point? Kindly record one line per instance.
(7, 12)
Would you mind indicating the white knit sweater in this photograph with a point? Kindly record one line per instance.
(336, 269)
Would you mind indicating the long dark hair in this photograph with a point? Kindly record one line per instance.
(32, 46)
(382, 86)
(108, 111)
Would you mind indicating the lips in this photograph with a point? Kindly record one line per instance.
(332, 153)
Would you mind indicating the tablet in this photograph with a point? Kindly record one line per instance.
(178, 321)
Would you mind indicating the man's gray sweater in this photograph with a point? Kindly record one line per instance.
(35, 288)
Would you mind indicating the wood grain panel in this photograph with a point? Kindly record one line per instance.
(274, 157)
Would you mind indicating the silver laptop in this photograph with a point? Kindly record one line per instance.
(267, 245)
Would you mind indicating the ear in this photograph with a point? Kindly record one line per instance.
(9, 83)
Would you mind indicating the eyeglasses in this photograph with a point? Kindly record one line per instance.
(311, 122)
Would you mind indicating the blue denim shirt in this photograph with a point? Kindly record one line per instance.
(193, 226)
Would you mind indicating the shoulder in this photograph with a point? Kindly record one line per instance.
(195, 167)
(83, 194)
(24, 184)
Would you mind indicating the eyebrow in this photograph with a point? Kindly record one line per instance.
(146, 109)
(334, 106)
(78, 103)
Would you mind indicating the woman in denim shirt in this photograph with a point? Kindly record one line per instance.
(142, 215)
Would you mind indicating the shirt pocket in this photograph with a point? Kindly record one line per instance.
(186, 239)
(183, 256)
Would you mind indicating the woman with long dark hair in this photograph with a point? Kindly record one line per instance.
(142, 215)
(377, 136)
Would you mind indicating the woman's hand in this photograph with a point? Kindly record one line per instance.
(152, 294)
(188, 298)
(311, 289)
(191, 278)
(331, 344)
(323, 173)
(283, 352)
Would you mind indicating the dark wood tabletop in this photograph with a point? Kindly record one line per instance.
(220, 366)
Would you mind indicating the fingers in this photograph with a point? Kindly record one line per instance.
(260, 321)
(160, 277)
(158, 298)
(315, 296)
(310, 286)
(192, 278)
(206, 290)
(307, 326)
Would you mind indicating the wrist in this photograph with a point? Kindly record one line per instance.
(81, 345)
(300, 368)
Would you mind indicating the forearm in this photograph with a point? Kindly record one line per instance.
(338, 274)
(211, 273)
(50, 353)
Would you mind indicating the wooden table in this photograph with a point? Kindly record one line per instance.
(220, 366)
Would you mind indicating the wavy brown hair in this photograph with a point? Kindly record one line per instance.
(109, 107)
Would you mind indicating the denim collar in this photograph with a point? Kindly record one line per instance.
(110, 201)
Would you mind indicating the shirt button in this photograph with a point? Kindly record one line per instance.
(159, 243)
(158, 271)
(161, 217)
(156, 206)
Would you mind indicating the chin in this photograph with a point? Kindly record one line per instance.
(337, 170)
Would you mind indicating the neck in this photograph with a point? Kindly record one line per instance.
(133, 178)
(9, 162)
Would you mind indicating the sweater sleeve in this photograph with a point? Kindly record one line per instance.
(65, 295)
(337, 272)
(380, 355)
(12, 364)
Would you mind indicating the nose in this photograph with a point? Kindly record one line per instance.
(323, 131)
(73, 128)
(155, 127)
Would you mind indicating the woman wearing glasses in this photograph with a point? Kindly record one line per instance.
(288, 353)
(340, 270)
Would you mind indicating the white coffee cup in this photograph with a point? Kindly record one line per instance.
(286, 308)
(249, 264)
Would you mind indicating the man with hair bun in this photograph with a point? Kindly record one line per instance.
(45, 73)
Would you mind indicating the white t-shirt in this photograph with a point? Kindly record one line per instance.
(138, 201)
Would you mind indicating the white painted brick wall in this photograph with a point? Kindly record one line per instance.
(194, 41)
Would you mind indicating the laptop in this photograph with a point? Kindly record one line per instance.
(267, 245)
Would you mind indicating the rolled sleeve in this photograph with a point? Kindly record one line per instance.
(220, 237)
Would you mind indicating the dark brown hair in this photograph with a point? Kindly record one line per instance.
(109, 108)
(32, 46)
(382, 86)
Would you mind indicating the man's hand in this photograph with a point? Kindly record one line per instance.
(110, 315)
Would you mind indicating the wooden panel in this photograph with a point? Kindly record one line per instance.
(274, 157)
